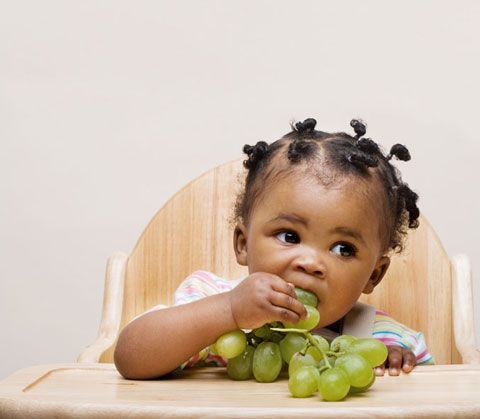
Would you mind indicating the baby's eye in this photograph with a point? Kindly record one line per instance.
(289, 236)
(345, 249)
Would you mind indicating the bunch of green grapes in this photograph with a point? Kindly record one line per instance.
(344, 366)
(336, 369)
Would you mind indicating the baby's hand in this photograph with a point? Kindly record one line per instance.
(398, 357)
(263, 298)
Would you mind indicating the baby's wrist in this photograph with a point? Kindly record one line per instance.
(227, 317)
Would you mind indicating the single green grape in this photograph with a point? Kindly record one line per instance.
(342, 342)
(324, 345)
(307, 324)
(231, 344)
(291, 343)
(304, 381)
(333, 384)
(267, 362)
(298, 360)
(306, 297)
(373, 350)
(357, 368)
(356, 390)
(240, 367)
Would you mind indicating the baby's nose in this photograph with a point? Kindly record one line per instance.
(311, 264)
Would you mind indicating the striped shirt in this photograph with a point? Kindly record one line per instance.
(201, 284)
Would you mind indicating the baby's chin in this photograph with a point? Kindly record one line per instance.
(330, 314)
(324, 321)
(321, 324)
(326, 318)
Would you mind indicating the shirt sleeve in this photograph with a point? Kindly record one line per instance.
(198, 285)
(391, 332)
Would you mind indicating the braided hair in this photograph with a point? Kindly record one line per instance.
(347, 155)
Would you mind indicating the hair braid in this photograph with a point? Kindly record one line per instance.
(359, 127)
(368, 146)
(410, 201)
(255, 154)
(400, 152)
(362, 160)
(365, 151)
(308, 125)
(298, 149)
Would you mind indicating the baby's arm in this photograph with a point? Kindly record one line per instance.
(156, 343)
(159, 341)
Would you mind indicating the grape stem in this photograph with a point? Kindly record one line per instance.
(337, 354)
(314, 342)
(322, 368)
(280, 329)
(310, 338)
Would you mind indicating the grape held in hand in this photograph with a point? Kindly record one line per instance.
(309, 323)
(306, 297)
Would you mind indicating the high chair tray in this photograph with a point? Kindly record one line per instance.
(97, 390)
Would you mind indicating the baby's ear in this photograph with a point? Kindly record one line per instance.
(377, 274)
(240, 244)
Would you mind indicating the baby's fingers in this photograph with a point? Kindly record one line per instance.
(380, 370)
(284, 287)
(399, 358)
(284, 315)
(288, 307)
(409, 361)
(394, 359)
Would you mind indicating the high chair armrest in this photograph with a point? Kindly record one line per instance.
(111, 311)
(462, 308)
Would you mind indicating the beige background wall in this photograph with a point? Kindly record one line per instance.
(109, 107)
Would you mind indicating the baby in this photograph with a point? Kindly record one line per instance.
(319, 211)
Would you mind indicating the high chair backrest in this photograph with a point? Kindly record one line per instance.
(193, 231)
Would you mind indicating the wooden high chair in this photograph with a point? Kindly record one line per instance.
(423, 288)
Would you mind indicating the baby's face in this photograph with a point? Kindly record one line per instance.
(334, 252)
